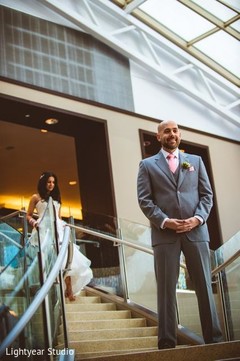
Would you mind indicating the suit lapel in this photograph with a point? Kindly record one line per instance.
(182, 171)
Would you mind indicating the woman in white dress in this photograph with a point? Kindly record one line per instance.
(80, 273)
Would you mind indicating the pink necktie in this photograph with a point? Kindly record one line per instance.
(172, 162)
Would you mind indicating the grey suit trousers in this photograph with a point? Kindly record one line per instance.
(167, 262)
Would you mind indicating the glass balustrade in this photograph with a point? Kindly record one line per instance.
(124, 269)
(21, 279)
(10, 244)
(230, 279)
(135, 278)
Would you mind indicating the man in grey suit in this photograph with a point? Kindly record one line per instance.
(177, 203)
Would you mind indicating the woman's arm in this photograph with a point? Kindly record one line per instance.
(32, 205)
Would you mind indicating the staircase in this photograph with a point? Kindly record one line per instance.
(101, 329)
(97, 327)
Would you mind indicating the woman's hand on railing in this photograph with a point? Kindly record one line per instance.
(33, 222)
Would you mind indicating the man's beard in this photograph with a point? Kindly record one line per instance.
(170, 146)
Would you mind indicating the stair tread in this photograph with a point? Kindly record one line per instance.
(86, 355)
(103, 324)
(89, 335)
(98, 328)
(114, 344)
(83, 300)
(89, 307)
(107, 314)
(90, 355)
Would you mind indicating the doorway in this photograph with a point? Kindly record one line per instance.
(75, 147)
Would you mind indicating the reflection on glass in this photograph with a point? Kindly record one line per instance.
(20, 282)
(103, 253)
(230, 278)
(10, 244)
(140, 275)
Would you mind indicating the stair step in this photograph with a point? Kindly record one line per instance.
(83, 299)
(83, 307)
(97, 328)
(95, 355)
(112, 333)
(98, 315)
(79, 356)
(220, 352)
(105, 324)
(139, 343)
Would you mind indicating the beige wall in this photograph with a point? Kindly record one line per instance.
(126, 153)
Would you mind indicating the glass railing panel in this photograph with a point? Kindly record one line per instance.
(10, 244)
(140, 276)
(187, 304)
(15, 293)
(15, 221)
(228, 249)
(20, 282)
(135, 269)
(103, 253)
(230, 282)
(231, 289)
(96, 221)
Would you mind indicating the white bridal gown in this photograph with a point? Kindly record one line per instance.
(80, 271)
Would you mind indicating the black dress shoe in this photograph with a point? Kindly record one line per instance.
(165, 345)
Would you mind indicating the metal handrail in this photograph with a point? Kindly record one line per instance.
(31, 310)
(11, 240)
(215, 271)
(113, 239)
(3, 218)
(58, 265)
(225, 264)
(150, 251)
(117, 240)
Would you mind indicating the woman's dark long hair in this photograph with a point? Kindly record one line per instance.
(42, 187)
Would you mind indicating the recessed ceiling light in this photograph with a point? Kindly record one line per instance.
(72, 183)
(51, 121)
(44, 130)
(27, 115)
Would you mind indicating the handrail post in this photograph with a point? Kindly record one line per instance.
(223, 306)
(23, 214)
(122, 263)
(65, 331)
(218, 274)
(73, 231)
(45, 303)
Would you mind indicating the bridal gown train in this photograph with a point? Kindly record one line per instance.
(80, 271)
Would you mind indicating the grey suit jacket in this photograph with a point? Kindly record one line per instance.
(160, 196)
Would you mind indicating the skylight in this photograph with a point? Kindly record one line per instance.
(207, 29)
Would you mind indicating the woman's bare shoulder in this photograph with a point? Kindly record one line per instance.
(35, 198)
